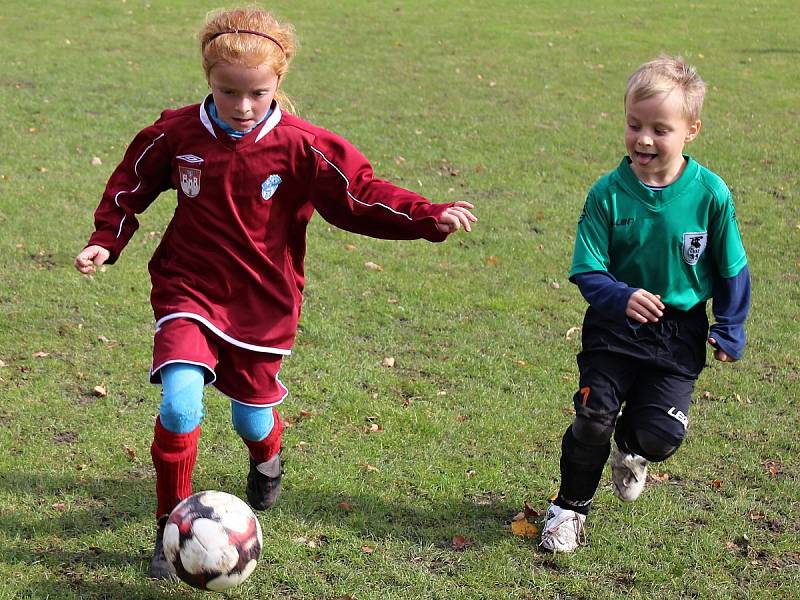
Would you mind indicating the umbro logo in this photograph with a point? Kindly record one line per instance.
(190, 158)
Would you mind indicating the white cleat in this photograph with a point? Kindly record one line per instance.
(563, 530)
(628, 474)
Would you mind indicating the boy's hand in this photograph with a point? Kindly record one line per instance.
(644, 306)
(719, 354)
(456, 217)
(91, 257)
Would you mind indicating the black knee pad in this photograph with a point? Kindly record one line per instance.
(591, 432)
(652, 445)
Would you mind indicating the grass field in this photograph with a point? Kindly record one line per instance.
(514, 106)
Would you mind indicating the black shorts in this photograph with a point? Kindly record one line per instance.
(648, 371)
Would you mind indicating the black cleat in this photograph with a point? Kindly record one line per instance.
(263, 490)
(159, 566)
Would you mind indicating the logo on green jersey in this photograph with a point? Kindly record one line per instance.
(693, 246)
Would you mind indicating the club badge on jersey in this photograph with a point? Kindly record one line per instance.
(269, 185)
(190, 181)
(693, 246)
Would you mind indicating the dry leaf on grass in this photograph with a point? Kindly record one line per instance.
(461, 543)
(373, 266)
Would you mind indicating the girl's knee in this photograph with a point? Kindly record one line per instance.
(253, 423)
(181, 409)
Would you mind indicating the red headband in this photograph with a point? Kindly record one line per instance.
(251, 32)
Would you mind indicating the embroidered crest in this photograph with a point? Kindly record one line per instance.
(693, 246)
(269, 186)
(190, 181)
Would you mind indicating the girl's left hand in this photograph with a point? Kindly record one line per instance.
(719, 354)
(456, 217)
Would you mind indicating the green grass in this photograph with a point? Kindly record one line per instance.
(515, 106)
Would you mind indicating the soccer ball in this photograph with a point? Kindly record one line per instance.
(212, 540)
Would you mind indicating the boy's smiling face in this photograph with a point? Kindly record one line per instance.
(656, 130)
(242, 94)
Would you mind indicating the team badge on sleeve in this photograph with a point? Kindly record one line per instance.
(190, 180)
(269, 186)
(693, 246)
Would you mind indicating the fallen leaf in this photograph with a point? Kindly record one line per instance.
(461, 543)
(373, 428)
(757, 516)
(524, 528)
(100, 391)
(471, 473)
(96, 162)
(716, 484)
(349, 247)
(572, 331)
(40, 354)
(388, 362)
(346, 506)
(555, 285)
(491, 261)
(131, 452)
(529, 512)
(773, 467)
(82, 467)
(367, 550)
(2, 363)
(370, 469)
(521, 363)
(58, 506)
(373, 266)
(660, 477)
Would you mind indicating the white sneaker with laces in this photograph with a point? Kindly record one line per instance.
(628, 474)
(563, 530)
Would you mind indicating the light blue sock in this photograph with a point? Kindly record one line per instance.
(181, 409)
(253, 423)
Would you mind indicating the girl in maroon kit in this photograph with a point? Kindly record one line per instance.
(227, 277)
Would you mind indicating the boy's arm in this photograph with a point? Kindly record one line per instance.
(730, 305)
(604, 293)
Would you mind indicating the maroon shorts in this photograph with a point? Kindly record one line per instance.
(242, 375)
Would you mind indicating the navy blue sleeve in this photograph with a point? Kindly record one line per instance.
(604, 293)
(730, 306)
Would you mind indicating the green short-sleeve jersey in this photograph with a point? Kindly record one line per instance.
(669, 242)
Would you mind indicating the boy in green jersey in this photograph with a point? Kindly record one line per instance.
(656, 239)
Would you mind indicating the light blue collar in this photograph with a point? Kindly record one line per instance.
(235, 134)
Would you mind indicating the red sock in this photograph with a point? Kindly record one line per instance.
(265, 449)
(174, 455)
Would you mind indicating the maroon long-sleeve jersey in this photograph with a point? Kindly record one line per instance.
(232, 255)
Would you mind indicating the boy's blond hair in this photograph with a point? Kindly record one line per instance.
(663, 75)
(275, 48)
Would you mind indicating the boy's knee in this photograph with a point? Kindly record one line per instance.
(652, 446)
(253, 423)
(591, 432)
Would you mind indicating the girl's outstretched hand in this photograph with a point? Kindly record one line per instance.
(719, 354)
(456, 217)
(91, 257)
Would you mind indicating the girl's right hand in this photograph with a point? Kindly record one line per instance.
(91, 257)
(644, 306)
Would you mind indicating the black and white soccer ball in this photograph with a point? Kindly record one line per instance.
(212, 540)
